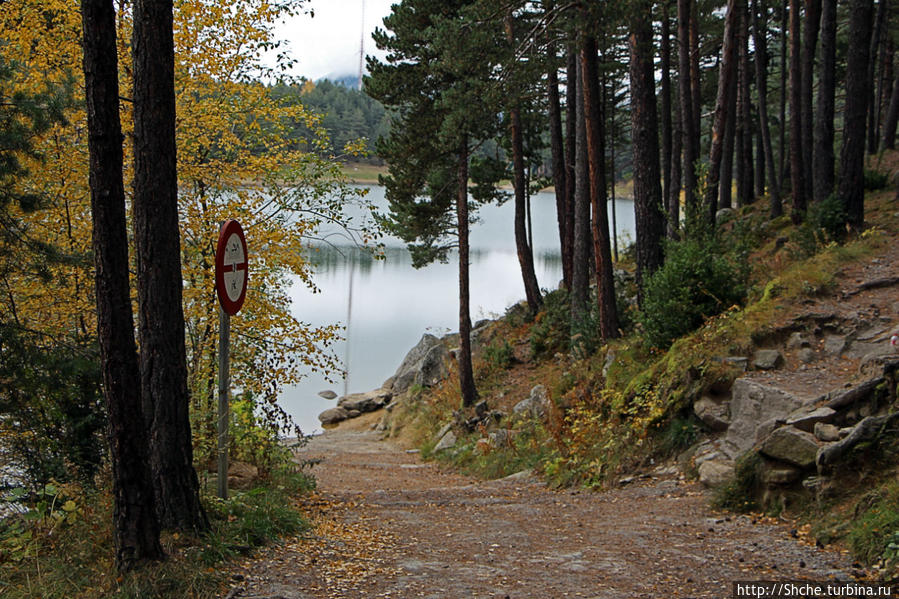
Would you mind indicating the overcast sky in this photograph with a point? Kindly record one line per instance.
(327, 44)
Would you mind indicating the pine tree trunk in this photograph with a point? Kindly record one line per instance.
(876, 48)
(824, 127)
(157, 237)
(745, 191)
(673, 200)
(892, 117)
(644, 128)
(560, 180)
(759, 29)
(695, 80)
(726, 76)
(596, 158)
(782, 141)
(884, 91)
(571, 94)
(725, 185)
(686, 105)
(581, 255)
(466, 374)
(810, 42)
(797, 168)
(852, 154)
(665, 99)
(135, 527)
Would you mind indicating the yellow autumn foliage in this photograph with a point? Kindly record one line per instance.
(234, 161)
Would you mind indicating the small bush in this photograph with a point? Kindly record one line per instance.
(699, 279)
(877, 524)
(551, 331)
(499, 355)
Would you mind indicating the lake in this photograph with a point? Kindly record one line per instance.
(393, 304)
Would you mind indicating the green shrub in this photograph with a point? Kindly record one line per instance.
(738, 495)
(499, 355)
(876, 525)
(551, 331)
(699, 279)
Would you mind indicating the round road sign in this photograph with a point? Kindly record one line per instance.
(231, 271)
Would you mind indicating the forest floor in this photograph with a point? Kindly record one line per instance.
(386, 524)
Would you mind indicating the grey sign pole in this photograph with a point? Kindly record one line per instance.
(224, 385)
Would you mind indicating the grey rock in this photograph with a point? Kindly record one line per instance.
(328, 394)
(353, 413)
(365, 402)
(424, 365)
(767, 359)
(715, 472)
(805, 418)
(753, 403)
(791, 445)
(333, 416)
(797, 340)
(806, 355)
(827, 432)
(766, 428)
(610, 359)
(844, 432)
(780, 474)
(537, 404)
(834, 345)
(448, 441)
(879, 364)
(840, 398)
(740, 362)
(713, 413)
(501, 437)
(443, 430)
(724, 215)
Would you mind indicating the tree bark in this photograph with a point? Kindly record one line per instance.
(571, 95)
(690, 150)
(560, 179)
(648, 207)
(892, 117)
(824, 127)
(596, 159)
(725, 185)
(876, 41)
(466, 374)
(726, 76)
(519, 182)
(135, 527)
(852, 154)
(695, 79)
(163, 364)
(673, 200)
(782, 145)
(810, 42)
(665, 99)
(745, 191)
(759, 29)
(797, 168)
(581, 255)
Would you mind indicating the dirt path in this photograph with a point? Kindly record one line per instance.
(388, 525)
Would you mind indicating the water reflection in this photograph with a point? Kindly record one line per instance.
(393, 303)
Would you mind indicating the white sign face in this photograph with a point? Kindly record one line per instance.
(235, 262)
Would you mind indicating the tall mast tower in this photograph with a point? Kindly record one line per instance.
(362, 45)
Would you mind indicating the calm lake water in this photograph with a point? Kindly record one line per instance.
(393, 304)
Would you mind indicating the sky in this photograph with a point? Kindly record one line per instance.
(327, 44)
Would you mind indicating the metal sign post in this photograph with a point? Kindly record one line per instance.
(231, 276)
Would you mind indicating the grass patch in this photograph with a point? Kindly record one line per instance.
(362, 172)
(739, 494)
(73, 557)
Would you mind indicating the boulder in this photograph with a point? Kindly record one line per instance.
(537, 404)
(333, 416)
(806, 355)
(791, 445)
(424, 365)
(797, 341)
(827, 432)
(242, 475)
(712, 412)
(753, 403)
(805, 418)
(767, 359)
(501, 438)
(834, 345)
(365, 402)
(446, 442)
(737, 362)
(715, 472)
(328, 394)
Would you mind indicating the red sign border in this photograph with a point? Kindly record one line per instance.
(228, 228)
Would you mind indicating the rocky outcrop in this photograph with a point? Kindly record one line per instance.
(333, 416)
(425, 365)
(791, 445)
(536, 405)
(365, 402)
(752, 404)
(713, 412)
